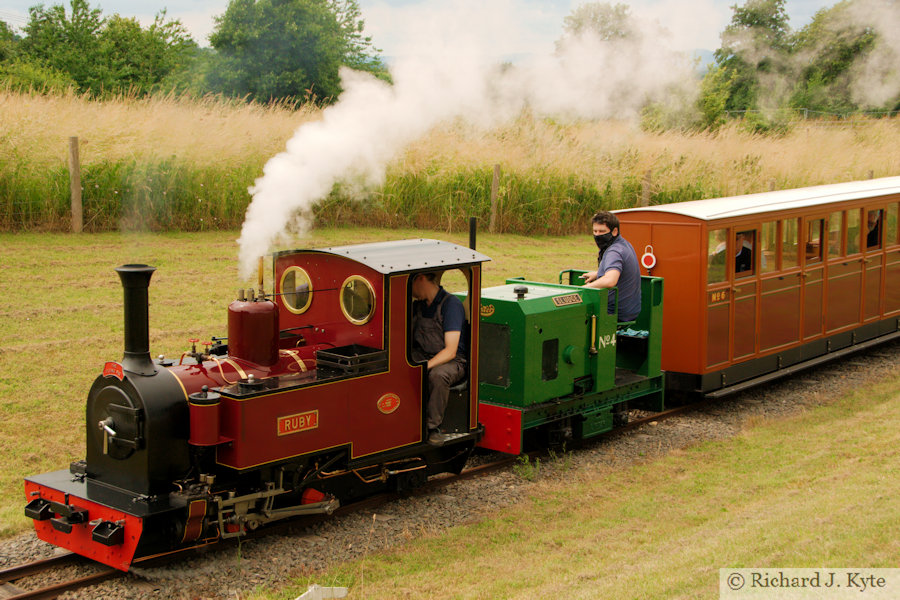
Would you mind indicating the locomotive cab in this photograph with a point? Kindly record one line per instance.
(350, 309)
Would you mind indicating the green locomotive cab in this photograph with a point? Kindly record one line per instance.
(555, 366)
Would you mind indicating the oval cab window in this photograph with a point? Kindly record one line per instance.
(357, 300)
(296, 289)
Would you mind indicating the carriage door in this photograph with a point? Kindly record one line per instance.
(743, 294)
(873, 243)
(813, 279)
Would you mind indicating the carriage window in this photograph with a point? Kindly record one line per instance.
(890, 231)
(814, 240)
(835, 221)
(852, 231)
(296, 289)
(874, 221)
(357, 300)
(769, 246)
(716, 256)
(744, 252)
(789, 229)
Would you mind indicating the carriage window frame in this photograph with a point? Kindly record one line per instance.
(297, 310)
(835, 225)
(717, 246)
(818, 256)
(854, 231)
(789, 239)
(890, 234)
(879, 228)
(356, 320)
(752, 236)
(769, 243)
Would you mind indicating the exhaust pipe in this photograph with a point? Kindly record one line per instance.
(135, 282)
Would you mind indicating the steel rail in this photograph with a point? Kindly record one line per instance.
(37, 566)
(14, 574)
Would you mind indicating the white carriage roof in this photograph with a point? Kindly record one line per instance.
(409, 255)
(741, 206)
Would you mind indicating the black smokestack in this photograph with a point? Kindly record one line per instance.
(135, 281)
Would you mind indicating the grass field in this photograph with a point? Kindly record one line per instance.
(816, 490)
(62, 320)
(178, 164)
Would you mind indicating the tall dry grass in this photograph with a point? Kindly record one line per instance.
(206, 131)
(178, 163)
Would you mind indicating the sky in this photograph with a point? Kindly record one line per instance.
(517, 27)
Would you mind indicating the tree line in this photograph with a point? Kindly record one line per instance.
(261, 50)
(840, 63)
(268, 50)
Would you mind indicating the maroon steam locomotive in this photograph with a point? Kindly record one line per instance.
(308, 404)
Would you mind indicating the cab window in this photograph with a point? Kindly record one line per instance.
(357, 300)
(296, 289)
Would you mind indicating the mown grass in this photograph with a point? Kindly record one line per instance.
(168, 163)
(818, 489)
(62, 320)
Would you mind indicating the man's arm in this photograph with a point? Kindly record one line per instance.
(610, 279)
(451, 343)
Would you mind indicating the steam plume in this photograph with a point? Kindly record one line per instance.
(450, 71)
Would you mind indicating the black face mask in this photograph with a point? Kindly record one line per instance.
(603, 241)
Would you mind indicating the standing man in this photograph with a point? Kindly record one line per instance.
(438, 337)
(617, 267)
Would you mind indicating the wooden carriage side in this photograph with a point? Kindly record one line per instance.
(759, 286)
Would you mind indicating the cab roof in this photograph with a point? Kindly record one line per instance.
(404, 256)
(741, 206)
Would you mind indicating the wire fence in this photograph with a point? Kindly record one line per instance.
(816, 117)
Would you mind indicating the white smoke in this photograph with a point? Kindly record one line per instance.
(876, 80)
(448, 71)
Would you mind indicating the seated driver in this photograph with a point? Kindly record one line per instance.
(438, 338)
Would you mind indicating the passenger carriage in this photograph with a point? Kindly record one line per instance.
(762, 285)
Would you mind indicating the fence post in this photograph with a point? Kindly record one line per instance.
(645, 187)
(495, 187)
(75, 185)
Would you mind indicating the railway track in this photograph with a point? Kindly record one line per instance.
(10, 577)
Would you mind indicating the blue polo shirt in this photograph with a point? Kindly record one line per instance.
(620, 256)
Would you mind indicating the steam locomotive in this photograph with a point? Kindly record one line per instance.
(314, 398)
